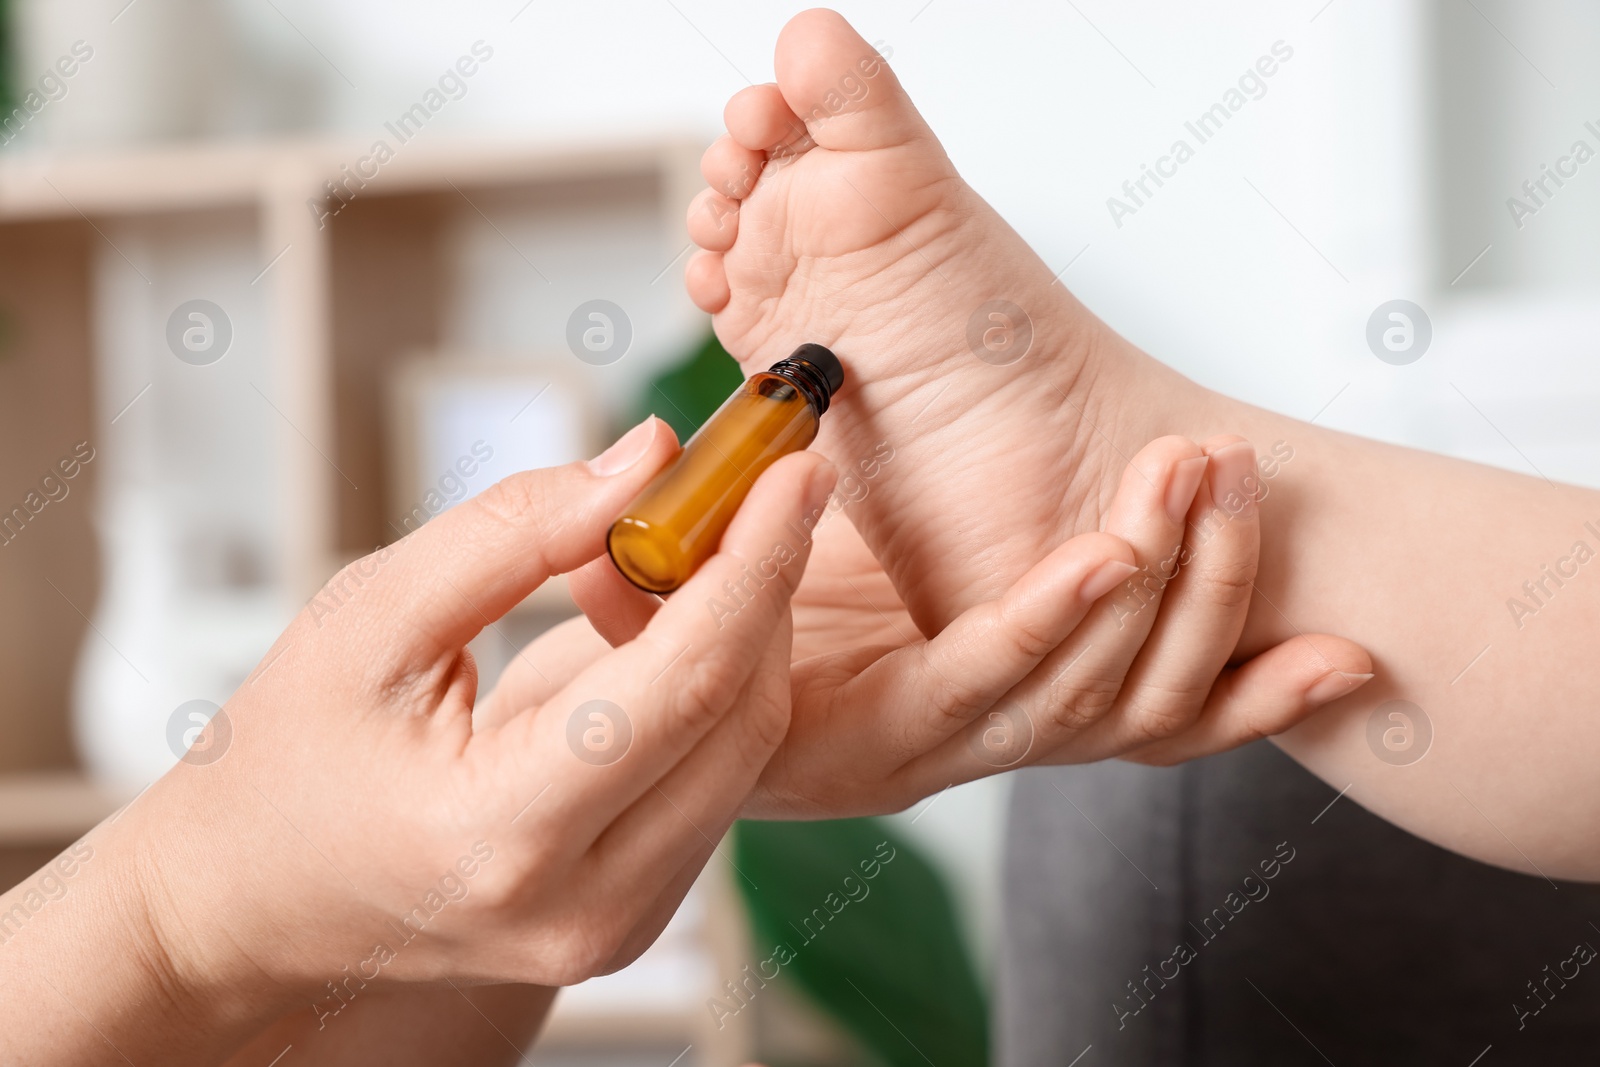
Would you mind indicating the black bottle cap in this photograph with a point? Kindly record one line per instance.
(816, 371)
(825, 361)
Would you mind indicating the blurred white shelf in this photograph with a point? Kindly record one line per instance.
(191, 177)
(661, 996)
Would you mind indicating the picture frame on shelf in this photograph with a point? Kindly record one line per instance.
(458, 423)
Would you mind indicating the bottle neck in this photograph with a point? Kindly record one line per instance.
(806, 378)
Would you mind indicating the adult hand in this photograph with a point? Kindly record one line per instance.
(360, 828)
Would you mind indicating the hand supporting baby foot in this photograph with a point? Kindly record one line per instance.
(1115, 644)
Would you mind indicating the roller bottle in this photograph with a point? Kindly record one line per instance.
(676, 523)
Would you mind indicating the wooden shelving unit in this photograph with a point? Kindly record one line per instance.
(344, 297)
(344, 302)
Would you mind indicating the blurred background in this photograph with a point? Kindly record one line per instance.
(281, 279)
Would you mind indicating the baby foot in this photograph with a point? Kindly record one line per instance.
(835, 216)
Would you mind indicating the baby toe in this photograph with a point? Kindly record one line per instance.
(707, 281)
(840, 86)
(713, 221)
(730, 168)
(758, 119)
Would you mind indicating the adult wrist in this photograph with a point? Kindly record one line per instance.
(191, 930)
(92, 956)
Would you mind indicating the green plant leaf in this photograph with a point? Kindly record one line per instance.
(883, 955)
(690, 393)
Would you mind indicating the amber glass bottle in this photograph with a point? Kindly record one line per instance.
(677, 522)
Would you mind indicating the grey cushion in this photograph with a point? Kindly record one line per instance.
(1370, 946)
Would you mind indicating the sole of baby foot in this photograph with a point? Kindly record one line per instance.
(835, 216)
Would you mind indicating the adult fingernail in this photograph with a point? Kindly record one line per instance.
(1105, 578)
(820, 487)
(1334, 685)
(1234, 484)
(1181, 487)
(628, 450)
